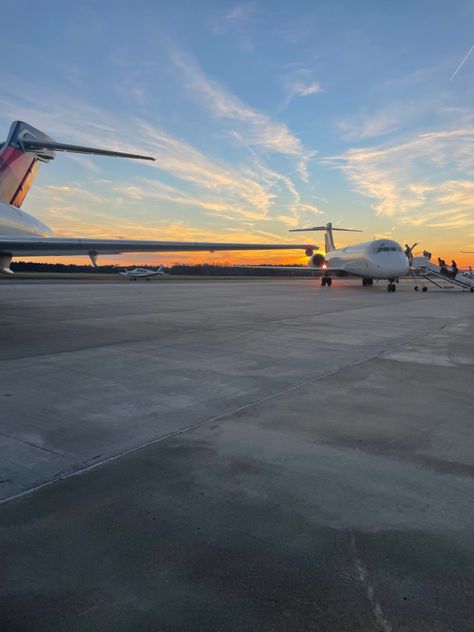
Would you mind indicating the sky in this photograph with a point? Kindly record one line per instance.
(263, 116)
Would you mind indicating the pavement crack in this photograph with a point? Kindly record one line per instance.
(31, 444)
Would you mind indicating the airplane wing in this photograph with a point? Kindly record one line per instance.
(59, 246)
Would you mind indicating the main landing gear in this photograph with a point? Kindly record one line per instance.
(325, 280)
(367, 282)
(391, 287)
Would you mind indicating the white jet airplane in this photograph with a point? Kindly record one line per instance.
(378, 259)
(142, 273)
(23, 235)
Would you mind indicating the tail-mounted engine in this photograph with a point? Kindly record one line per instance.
(317, 261)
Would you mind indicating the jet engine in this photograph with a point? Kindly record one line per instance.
(317, 261)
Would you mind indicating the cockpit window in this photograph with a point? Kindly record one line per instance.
(388, 249)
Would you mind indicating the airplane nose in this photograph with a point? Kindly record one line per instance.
(401, 268)
(392, 267)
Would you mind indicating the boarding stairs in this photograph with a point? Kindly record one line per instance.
(422, 267)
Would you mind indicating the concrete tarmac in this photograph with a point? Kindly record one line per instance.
(236, 455)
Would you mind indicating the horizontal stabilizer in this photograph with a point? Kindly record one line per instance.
(38, 145)
(301, 230)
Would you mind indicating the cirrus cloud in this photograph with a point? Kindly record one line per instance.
(255, 128)
(420, 181)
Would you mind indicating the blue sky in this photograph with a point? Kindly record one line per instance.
(263, 116)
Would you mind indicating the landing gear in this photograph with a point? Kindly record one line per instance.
(424, 289)
(367, 282)
(391, 287)
(323, 281)
(326, 281)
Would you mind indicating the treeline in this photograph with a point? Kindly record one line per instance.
(200, 269)
(32, 266)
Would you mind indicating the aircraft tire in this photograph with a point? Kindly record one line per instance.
(323, 281)
(425, 289)
(329, 281)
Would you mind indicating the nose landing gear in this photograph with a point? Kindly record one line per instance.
(326, 280)
(367, 282)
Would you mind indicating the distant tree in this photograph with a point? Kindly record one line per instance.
(179, 269)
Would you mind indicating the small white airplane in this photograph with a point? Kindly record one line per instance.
(142, 273)
(379, 259)
(21, 234)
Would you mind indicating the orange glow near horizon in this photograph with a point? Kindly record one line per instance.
(176, 258)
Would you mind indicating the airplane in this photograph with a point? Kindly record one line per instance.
(21, 234)
(142, 273)
(378, 259)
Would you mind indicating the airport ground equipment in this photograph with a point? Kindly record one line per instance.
(425, 269)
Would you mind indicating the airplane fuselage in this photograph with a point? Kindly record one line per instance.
(14, 222)
(141, 273)
(378, 259)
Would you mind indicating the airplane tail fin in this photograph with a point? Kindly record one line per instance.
(328, 236)
(22, 153)
(161, 268)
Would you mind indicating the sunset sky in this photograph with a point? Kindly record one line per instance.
(263, 116)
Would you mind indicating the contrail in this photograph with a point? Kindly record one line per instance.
(462, 63)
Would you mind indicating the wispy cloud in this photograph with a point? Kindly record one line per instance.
(235, 23)
(256, 128)
(365, 126)
(298, 81)
(418, 181)
(187, 163)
